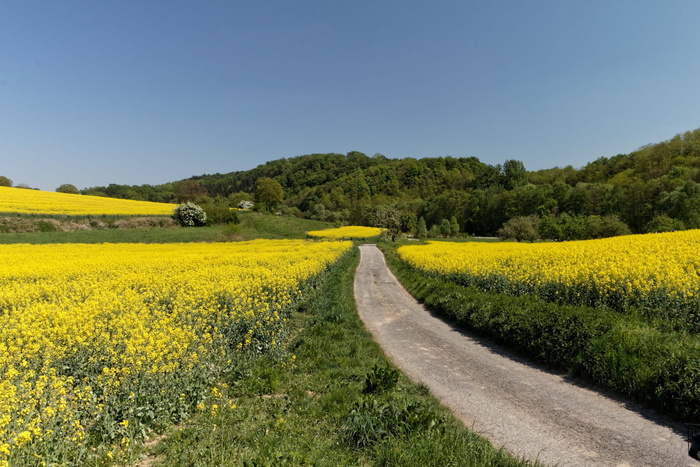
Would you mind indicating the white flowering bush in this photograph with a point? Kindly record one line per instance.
(190, 215)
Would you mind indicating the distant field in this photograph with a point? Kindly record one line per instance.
(350, 231)
(24, 201)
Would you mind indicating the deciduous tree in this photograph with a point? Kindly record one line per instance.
(268, 192)
(68, 188)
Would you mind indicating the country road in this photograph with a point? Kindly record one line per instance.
(533, 413)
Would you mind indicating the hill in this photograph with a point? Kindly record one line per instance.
(652, 189)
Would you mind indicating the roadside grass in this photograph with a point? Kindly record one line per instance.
(331, 399)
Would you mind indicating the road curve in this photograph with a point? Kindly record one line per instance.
(533, 413)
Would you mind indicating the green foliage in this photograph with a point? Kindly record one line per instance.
(189, 190)
(190, 215)
(566, 227)
(371, 422)
(656, 180)
(235, 199)
(4, 181)
(445, 228)
(380, 379)
(388, 218)
(522, 229)
(454, 226)
(421, 230)
(68, 188)
(45, 226)
(663, 223)
(434, 231)
(514, 174)
(268, 192)
(605, 226)
(217, 214)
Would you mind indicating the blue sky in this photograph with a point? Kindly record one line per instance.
(135, 92)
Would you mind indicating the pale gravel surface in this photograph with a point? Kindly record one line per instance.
(534, 413)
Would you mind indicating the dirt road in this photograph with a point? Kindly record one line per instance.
(533, 413)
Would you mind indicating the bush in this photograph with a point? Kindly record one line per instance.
(68, 188)
(523, 228)
(606, 226)
(190, 215)
(220, 214)
(663, 223)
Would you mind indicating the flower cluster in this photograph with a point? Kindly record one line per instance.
(99, 343)
(24, 201)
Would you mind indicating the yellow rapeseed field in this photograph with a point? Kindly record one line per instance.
(351, 231)
(101, 342)
(25, 201)
(651, 271)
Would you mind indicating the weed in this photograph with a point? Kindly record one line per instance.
(380, 379)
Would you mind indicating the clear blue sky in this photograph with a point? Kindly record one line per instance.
(134, 92)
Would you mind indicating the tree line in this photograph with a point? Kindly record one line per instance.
(655, 188)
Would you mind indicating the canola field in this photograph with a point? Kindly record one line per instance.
(25, 201)
(348, 232)
(657, 273)
(100, 343)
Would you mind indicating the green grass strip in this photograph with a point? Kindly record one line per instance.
(332, 399)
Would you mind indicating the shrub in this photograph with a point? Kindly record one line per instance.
(68, 188)
(46, 226)
(606, 226)
(220, 214)
(663, 223)
(190, 215)
(523, 228)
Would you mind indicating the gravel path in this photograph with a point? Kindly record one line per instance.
(533, 413)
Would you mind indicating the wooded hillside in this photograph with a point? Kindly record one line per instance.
(655, 188)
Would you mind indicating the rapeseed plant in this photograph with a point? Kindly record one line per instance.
(648, 272)
(101, 343)
(351, 231)
(23, 201)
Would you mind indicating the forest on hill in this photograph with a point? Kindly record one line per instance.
(655, 188)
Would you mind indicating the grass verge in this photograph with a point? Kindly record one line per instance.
(331, 399)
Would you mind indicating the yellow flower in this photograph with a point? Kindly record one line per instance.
(346, 232)
(23, 438)
(144, 315)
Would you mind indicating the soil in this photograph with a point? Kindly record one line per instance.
(531, 412)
